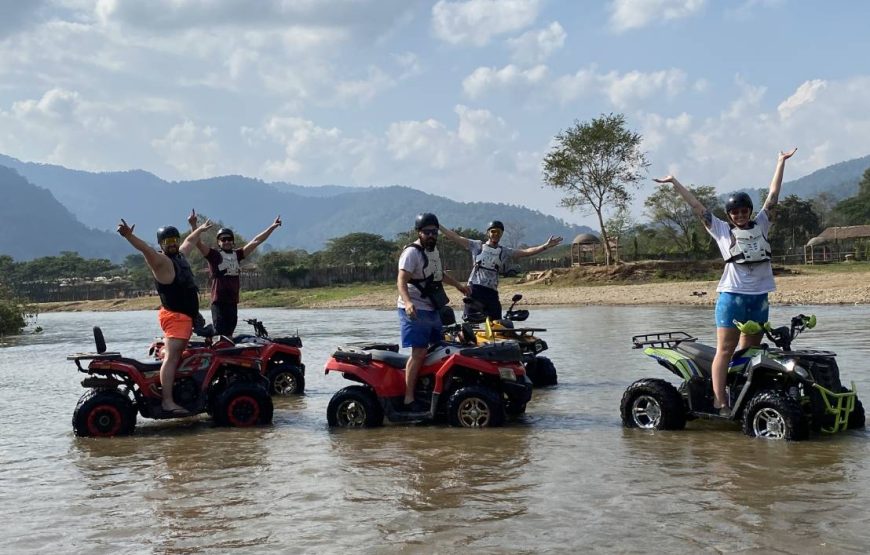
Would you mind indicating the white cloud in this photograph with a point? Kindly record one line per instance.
(634, 14)
(484, 79)
(829, 121)
(192, 150)
(475, 22)
(536, 46)
(626, 89)
(363, 90)
(805, 94)
(430, 143)
(622, 90)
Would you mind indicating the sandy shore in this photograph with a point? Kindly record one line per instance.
(825, 288)
(851, 288)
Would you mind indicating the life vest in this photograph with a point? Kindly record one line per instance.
(488, 259)
(182, 295)
(430, 286)
(748, 246)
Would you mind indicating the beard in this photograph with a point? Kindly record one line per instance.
(429, 243)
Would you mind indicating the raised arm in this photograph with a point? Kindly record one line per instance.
(697, 208)
(193, 238)
(199, 244)
(531, 251)
(455, 237)
(255, 242)
(159, 264)
(776, 182)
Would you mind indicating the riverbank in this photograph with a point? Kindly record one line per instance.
(625, 285)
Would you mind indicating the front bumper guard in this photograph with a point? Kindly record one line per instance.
(839, 405)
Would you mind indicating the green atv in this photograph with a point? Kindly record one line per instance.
(775, 393)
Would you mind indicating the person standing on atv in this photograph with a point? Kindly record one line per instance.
(224, 266)
(179, 297)
(748, 276)
(489, 259)
(421, 295)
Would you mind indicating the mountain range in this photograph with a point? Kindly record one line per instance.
(311, 215)
(50, 208)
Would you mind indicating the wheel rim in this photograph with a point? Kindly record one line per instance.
(769, 423)
(473, 413)
(243, 411)
(285, 383)
(646, 412)
(104, 421)
(351, 414)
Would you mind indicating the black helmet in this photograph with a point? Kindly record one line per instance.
(495, 224)
(224, 231)
(425, 219)
(166, 232)
(738, 200)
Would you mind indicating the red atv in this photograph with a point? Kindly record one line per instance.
(469, 386)
(225, 382)
(280, 358)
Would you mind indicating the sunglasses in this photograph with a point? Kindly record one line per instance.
(170, 242)
(496, 231)
(740, 211)
(225, 239)
(432, 232)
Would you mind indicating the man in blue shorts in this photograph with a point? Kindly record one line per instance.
(421, 295)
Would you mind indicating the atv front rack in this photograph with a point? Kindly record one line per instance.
(665, 339)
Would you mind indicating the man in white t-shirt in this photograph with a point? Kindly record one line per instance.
(421, 294)
(748, 276)
(489, 259)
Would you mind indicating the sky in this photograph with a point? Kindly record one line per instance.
(461, 99)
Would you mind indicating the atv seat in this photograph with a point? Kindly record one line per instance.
(702, 355)
(238, 349)
(143, 367)
(396, 360)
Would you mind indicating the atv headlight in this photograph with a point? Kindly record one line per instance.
(540, 346)
(791, 365)
(507, 374)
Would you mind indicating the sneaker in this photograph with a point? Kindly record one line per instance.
(725, 412)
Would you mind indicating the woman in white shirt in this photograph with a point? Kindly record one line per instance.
(748, 276)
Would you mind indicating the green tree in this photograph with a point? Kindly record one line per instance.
(594, 164)
(620, 226)
(855, 210)
(796, 222)
(284, 265)
(674, 217)
(359, 249)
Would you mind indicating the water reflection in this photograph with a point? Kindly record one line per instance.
(566, 477)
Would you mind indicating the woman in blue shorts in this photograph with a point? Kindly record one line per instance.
(748, 276)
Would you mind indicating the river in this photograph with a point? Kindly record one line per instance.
(565, 478)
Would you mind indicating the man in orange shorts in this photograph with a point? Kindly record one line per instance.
(179, 297)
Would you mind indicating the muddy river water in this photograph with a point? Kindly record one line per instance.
(565, 478)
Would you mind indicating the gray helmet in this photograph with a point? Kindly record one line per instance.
(225, 231)
(425, 219)
(495, 224)
(166, 232)
(738, 200)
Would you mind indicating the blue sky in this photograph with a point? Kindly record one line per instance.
(456, 98)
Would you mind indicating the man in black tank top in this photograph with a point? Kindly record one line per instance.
(179, 297)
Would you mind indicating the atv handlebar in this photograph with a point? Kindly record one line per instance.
(781, 336)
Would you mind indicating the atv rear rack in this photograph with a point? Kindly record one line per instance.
(664, 339)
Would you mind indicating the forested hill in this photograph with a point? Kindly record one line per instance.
(34, 224)
(839, 180)
(311, 215)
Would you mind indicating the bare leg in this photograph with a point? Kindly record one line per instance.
(418, 354)
(726, 343)
(173, 348)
